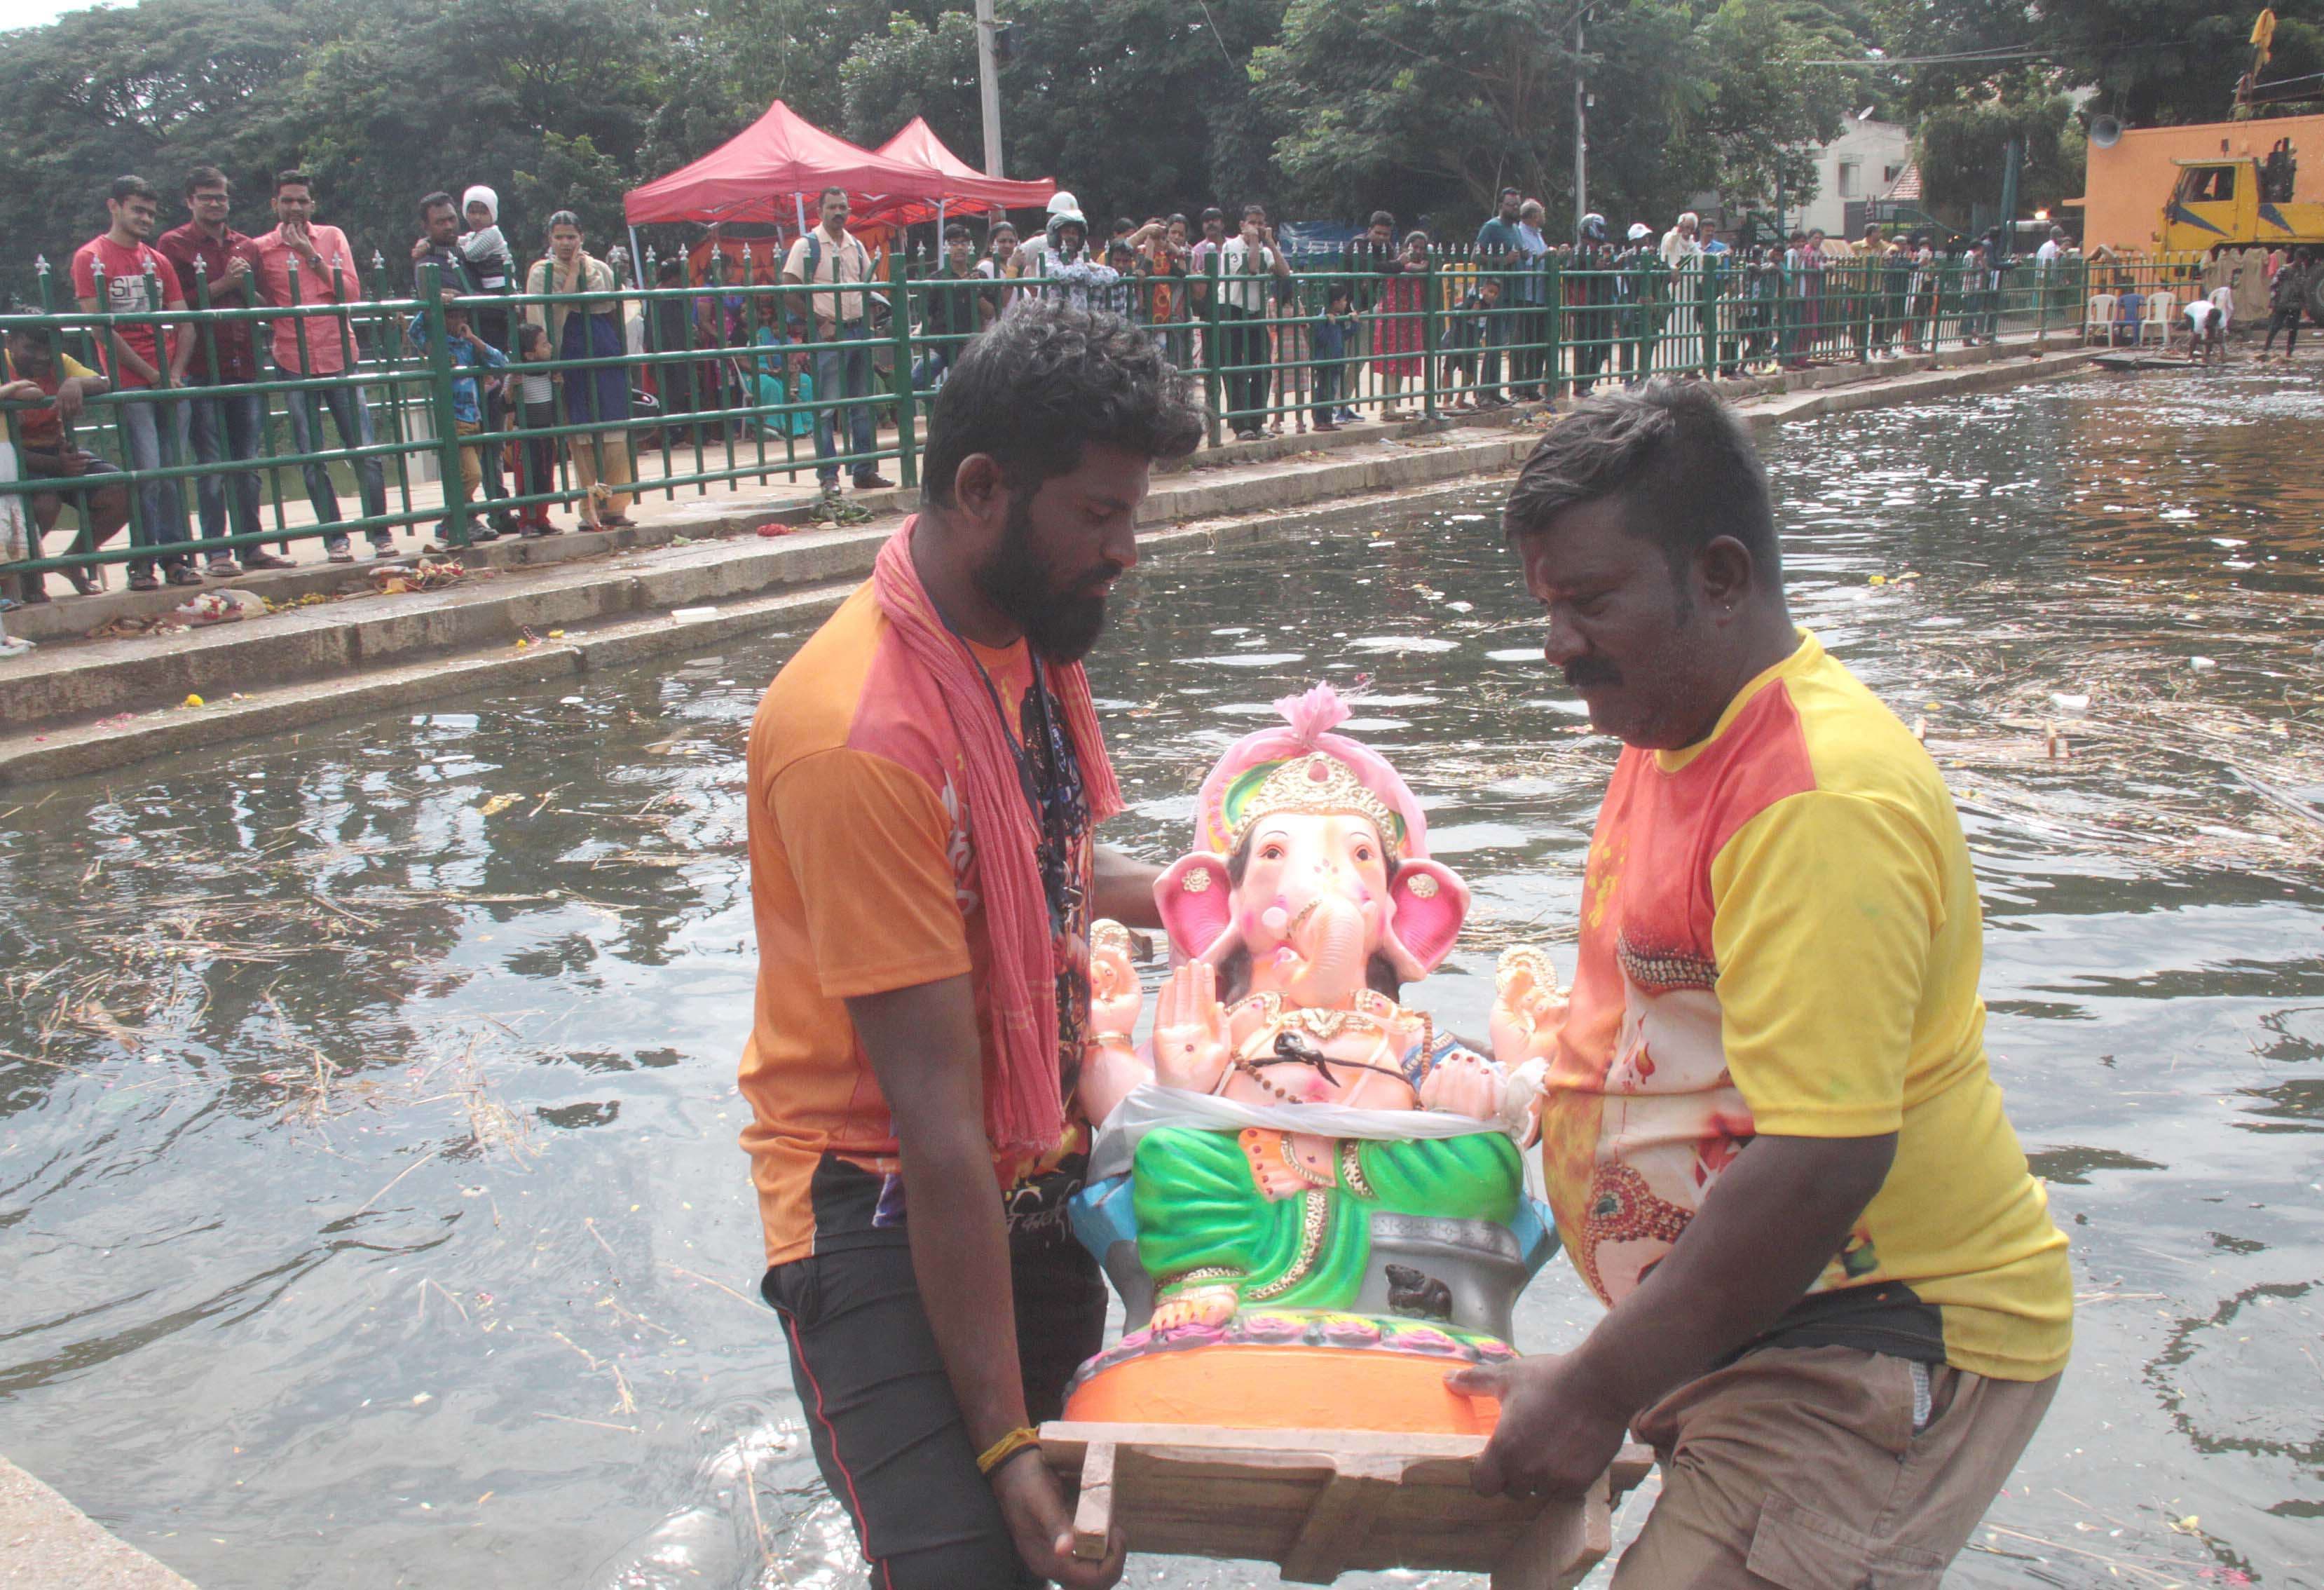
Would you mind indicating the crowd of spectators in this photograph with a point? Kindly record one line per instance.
(1287, 346)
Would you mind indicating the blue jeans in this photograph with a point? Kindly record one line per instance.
(927, 370)
(844, 373)
(161, 503)
(352, 415)
(230, 426)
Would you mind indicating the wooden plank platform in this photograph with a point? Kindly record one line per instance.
(2137, 361)
(1319, 1503)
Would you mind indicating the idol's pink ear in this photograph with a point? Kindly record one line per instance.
(1431, 904)
(1197, 905)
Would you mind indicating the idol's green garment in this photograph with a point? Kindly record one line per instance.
(1199, 1209)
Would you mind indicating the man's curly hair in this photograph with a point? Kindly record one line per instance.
(1045, 381)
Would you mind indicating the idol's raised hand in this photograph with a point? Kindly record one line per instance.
(1190, 1030)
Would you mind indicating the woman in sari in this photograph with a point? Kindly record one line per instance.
(596, 395)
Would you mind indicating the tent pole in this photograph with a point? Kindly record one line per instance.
(637, 258)
(799, 204)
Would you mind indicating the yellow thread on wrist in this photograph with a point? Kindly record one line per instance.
(1024, 1437)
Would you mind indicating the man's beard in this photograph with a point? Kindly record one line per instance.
(1060, 628)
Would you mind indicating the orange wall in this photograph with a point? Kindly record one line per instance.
(2124, 194)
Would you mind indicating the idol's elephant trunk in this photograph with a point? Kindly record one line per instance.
(1331, 948)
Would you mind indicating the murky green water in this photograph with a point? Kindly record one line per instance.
(367, 1170)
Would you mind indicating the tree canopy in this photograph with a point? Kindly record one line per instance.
(1319, 107)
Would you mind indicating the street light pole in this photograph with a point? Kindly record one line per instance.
(1581, 129)
(988, 78)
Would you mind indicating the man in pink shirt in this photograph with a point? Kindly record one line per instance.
(322, 263)
(117, 272)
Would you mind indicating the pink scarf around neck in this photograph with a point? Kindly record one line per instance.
(1023, 1109)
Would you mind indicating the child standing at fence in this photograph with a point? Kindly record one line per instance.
(783, 378)
(1333, 338)
(537, 399)
(468, 351)
(1464, 334)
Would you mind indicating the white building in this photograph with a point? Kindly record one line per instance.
(1865, 162)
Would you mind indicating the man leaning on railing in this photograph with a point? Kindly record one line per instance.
(217, 268)
(117, 272)
(31, 371)
(459, 276)
(303, 261)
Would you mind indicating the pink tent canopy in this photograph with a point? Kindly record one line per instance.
(761, 173)
(757, 175)
(961, 187)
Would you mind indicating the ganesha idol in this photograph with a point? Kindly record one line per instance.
(1312, 1201)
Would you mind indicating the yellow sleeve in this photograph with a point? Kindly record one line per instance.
(870, 850)
(72, 368)
(1825, 907)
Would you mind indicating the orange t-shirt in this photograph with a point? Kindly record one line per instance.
(863, 879)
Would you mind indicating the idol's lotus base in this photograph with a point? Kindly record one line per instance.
(1322, 1503)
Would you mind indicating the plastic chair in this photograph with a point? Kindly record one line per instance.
(2097, 318)
(2160, 307)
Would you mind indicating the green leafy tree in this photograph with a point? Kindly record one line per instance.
(153, 89)
(914, 69)
(1963, 151)
(2155, 62)
(1135, 106)
(1429, 107)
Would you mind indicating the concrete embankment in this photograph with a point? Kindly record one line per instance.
(46, 1543)
(695, 572)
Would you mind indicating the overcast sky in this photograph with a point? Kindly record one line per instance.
(26, 14)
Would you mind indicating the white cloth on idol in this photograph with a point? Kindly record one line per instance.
(1151, 1105)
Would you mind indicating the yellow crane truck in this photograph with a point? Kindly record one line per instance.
(2243, 202)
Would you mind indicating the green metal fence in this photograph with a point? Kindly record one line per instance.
(760, 380)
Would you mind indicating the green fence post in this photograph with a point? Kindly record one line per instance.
(900, 379)
(56, 339)
(439, 392)
(1707, 314)
(1553, 308)
(1211, 341)
(165, 416)
(1430, 334)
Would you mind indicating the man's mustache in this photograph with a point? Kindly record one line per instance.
(1584, 672)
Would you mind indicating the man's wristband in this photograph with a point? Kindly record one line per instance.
(1023, 1439)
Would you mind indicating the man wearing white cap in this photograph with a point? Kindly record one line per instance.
(1033, 253)
(1638, 242)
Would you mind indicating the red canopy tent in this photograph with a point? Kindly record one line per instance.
(960, 186)
(766, 172)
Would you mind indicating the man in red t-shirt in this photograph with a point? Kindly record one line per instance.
(116, 273)
(217, 268)
(303, 262)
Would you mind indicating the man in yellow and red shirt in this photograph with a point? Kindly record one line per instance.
(1838, 1304)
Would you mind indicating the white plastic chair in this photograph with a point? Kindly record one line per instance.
(2098, 319)
(2161, 307)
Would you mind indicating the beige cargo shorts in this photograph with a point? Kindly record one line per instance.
(1825, 1468)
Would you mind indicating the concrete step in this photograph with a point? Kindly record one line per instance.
(64, 752)
(84, 681)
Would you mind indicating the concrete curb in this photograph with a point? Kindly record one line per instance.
(376, 652)
(46, 1543)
